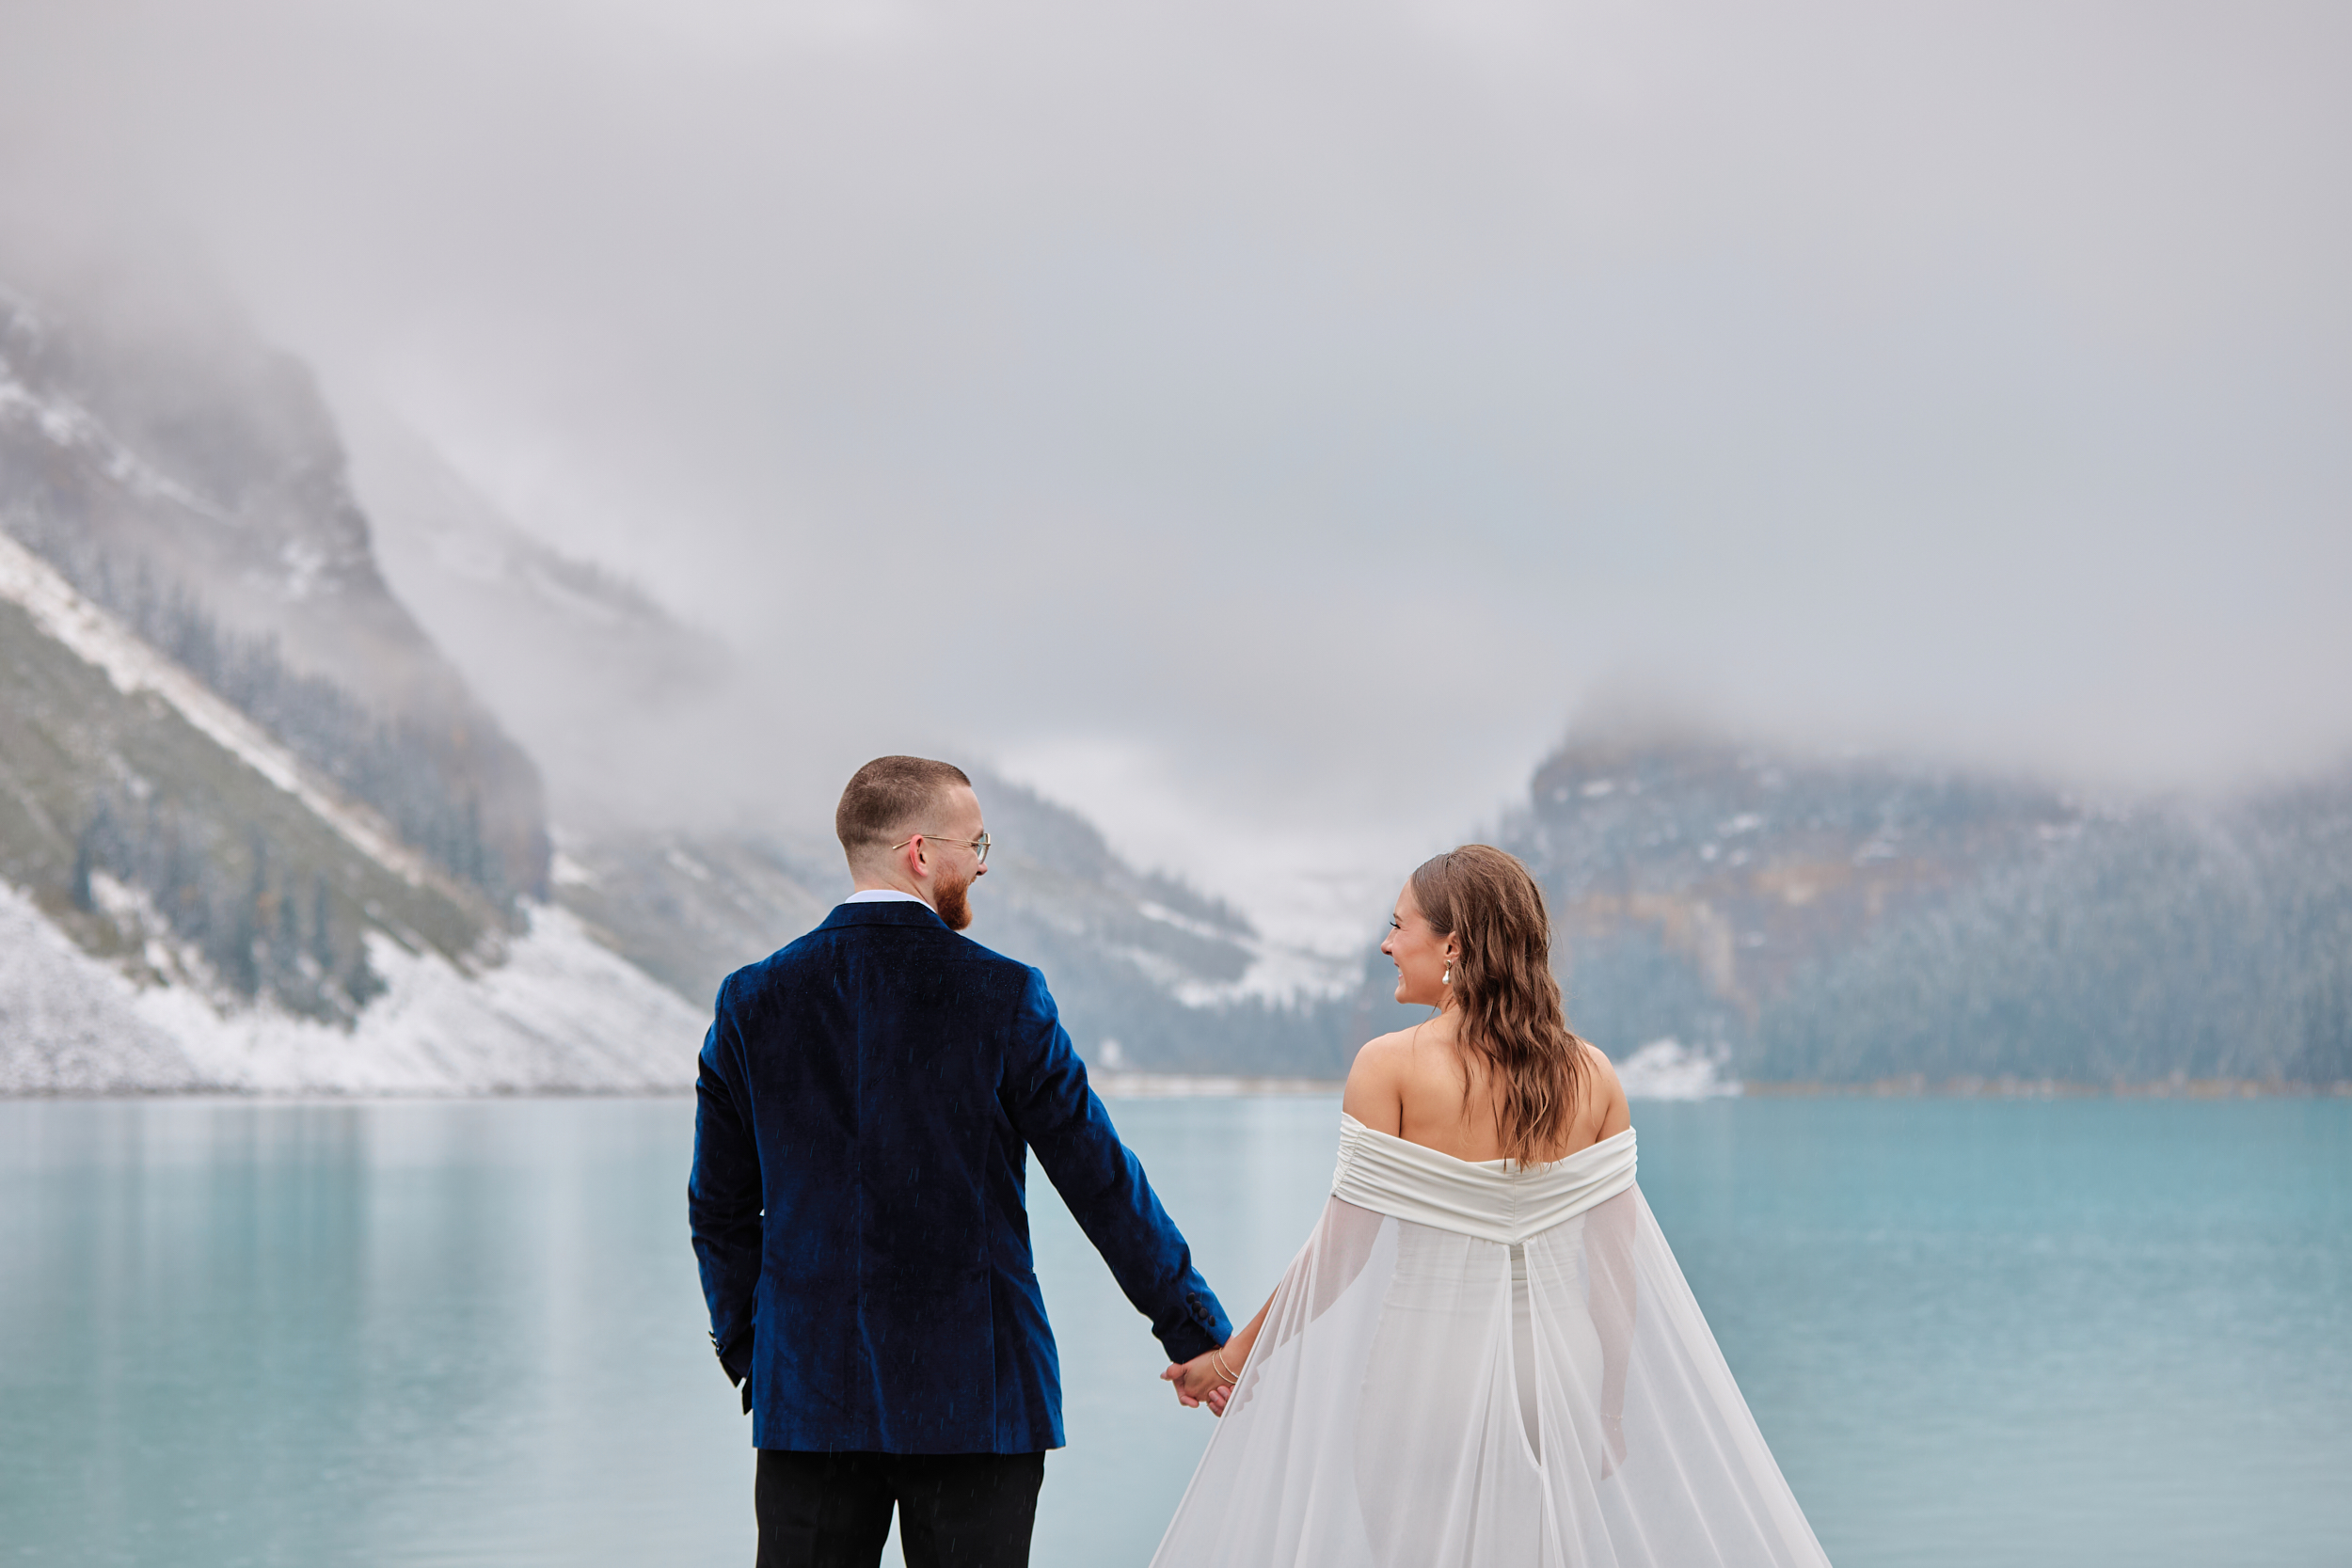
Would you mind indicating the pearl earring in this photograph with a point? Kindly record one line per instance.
(1447, 978)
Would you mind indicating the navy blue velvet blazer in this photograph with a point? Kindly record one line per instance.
(866, 1099)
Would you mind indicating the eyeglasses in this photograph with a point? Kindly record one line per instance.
(977, 846)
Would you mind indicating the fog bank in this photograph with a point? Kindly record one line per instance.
(1263, 427)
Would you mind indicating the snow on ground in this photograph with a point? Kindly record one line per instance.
(561, 1014)
(67, 424)
(1278, 972)
(69, 1023)
(1662, 1070)
(1668, 1069)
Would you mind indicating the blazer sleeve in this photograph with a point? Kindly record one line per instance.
(1060, 1116)
(723, 1199)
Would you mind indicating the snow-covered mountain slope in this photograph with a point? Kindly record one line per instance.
(689, 907)
(70, 1023)
(181, 473)
(562, 1012)
(1144, 967)
(97, 639)
(1150, 974)
(185, 905)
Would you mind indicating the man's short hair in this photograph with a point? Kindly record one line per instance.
(888, 796)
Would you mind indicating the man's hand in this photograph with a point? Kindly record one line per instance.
(736, 1361)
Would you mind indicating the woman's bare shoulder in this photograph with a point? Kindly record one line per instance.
(1381, 1059)
(1606, 1092)
(1376, 1085)
(1396, 1044)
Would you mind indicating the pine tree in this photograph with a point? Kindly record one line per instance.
(87, 846)
(362, 984)
(322, 941)
(288, 945)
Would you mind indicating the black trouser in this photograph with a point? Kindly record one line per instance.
(955, 1509)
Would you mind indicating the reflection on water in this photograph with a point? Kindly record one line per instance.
(461, 1333)
(357, 1334)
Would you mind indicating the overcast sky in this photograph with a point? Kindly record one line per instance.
(1264, 425)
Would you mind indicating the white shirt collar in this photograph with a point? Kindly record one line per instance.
(880, 896)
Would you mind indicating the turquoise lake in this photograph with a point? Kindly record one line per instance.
(460, 1333)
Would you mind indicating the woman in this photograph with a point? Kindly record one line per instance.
(1485, 1356)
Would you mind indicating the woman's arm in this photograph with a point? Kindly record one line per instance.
(1374, 1097)
(1614, 1301)
(1609, 1234)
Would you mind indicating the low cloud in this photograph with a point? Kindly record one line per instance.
(1264, 427)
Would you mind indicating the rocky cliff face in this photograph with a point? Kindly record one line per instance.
(1861, 918)
(2164, 942)
(1721, 871)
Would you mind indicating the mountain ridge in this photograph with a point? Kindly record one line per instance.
(1870, 917)
(251, 895)
(225, 870)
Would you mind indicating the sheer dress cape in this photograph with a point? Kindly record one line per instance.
(1485, 1365)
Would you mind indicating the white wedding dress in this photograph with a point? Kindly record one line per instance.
(1485, 1366)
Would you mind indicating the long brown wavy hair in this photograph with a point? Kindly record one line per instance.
(1513, 1019)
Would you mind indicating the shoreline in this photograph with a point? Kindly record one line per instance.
(1185, 1085)
(1918, 1087)
(1181, 1086)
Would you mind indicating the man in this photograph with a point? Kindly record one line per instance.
(867, 1099)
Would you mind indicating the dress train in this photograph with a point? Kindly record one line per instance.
(1475, 1365)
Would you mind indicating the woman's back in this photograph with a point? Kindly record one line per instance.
(1412, 1084)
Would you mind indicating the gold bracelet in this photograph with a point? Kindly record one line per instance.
(1217, 1355)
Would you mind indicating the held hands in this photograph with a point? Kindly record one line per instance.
(1203, 1380)
(1210, 1379)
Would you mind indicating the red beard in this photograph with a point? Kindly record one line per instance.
(955, 903)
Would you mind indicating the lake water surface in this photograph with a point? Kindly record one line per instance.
(2077, 1332)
